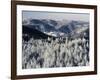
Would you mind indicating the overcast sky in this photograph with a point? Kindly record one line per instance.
(55, 15)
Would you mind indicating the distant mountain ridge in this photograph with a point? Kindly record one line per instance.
(50, 27)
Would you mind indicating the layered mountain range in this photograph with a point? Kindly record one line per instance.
(54, 28)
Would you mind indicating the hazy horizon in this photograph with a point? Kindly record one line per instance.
(55, 15)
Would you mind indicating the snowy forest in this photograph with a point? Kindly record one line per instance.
(50, 43)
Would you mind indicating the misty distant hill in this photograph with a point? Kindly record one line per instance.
(47, 27)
